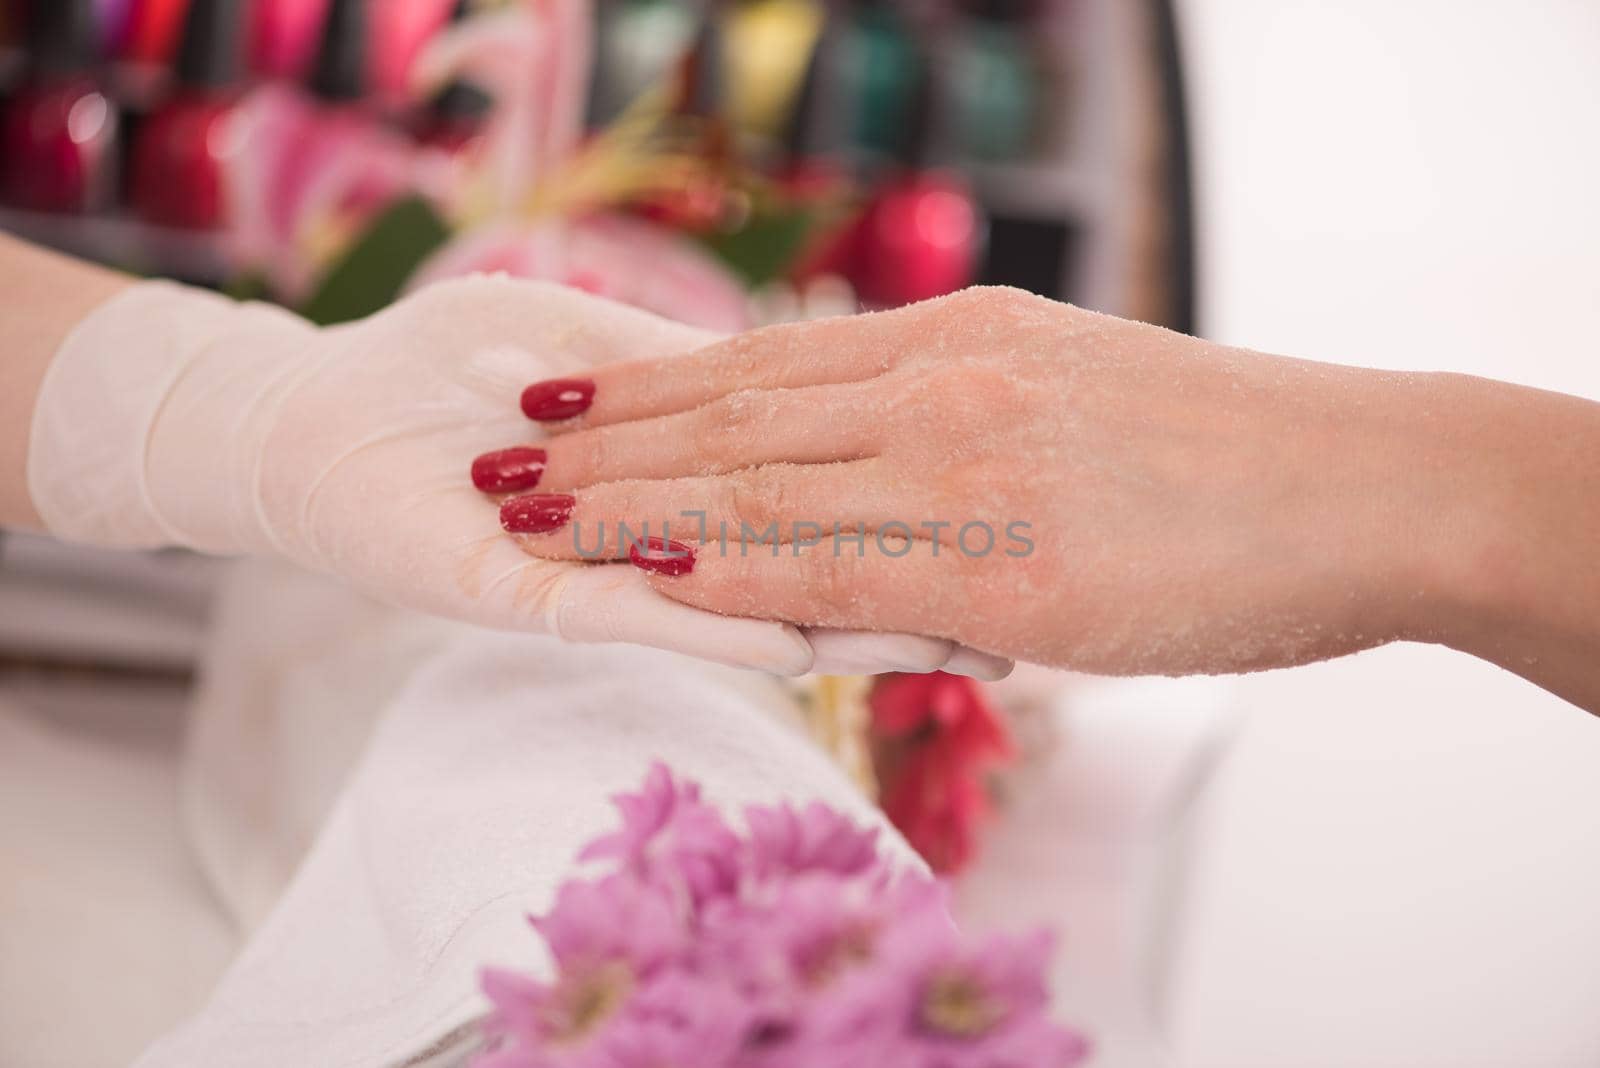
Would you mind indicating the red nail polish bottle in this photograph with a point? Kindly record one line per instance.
(59, 129)
(283, 37)
(181, 153)
(920, 235)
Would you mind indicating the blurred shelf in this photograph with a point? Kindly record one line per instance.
(126, 243)
(1054, 190)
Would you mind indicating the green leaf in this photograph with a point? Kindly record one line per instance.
(765, 247)
(373, 271)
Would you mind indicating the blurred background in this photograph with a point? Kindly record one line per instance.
(1382, 861)
(828, 155)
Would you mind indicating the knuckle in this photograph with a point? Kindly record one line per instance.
(750, 498)
(829, 584)
(725, 427)
(1006, 300)
(966, 399)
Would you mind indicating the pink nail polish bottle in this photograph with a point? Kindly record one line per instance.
(283, 36)
(181, 152)
(59, 129)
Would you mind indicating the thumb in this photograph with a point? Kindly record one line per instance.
(614, 603)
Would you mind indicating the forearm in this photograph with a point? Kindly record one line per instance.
(1512, 505)
(46, 295)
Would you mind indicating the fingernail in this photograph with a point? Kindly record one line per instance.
(662, 557)
(559, 398)
(536, 513)
(508, 470)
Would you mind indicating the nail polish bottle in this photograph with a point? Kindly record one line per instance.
(809, 163)
(768, 43)
(283, 37)
(996, 76)
(117, 19)
(181, 152)
(922, 231)
(151, 32)
(811, 172)
(339, 75)
(59, 129)
(881, 75)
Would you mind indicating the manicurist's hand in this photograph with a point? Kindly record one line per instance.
(1046, 483)
(164, 415)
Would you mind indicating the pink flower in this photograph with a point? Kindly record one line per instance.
(669, 835)
(534, 59)
(785, 840)
(677, 1021)
(602, 1016)
(793, 947)
(929, 1001)
(302, 183)
(612, 256)
(615, 919)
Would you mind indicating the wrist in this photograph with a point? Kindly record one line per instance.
(146, 420)
(1507, 486)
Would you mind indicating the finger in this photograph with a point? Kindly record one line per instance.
(512, 331)
(616, 604)
(985, 667)
(893, 584)
(787, 356)
(747, 512)
(812, 425)
(856, 652)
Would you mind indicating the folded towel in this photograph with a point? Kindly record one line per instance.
(480, 780)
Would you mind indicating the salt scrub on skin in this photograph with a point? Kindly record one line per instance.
(1179, 497)
(793, 945)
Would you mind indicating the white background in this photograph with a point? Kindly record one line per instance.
(1402, 851)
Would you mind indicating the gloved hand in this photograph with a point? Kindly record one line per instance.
(173, 416)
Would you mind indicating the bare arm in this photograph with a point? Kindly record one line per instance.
(45, 295)
(1525, 561)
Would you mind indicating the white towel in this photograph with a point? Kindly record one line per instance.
(480, 781)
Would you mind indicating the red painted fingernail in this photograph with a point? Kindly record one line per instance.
(536, 513)
(559, 398)
(662, 557)
(508, 470)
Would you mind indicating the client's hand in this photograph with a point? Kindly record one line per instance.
(1033, 480)
(176, 417)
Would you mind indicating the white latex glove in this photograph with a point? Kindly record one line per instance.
(173, 416)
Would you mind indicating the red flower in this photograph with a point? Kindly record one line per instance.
(935, 739)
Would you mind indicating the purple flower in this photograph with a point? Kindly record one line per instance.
(670, 835)
(785, 840)
(680, 1020)
(927, 1000)
(615, 919)
(597, 1017)
(793, 947)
